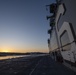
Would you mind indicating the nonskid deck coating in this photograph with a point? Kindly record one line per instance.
(41, 65)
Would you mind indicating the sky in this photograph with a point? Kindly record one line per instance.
(23, 25)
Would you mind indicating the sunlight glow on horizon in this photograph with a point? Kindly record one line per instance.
(7, 50)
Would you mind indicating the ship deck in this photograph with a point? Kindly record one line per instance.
(40, 65)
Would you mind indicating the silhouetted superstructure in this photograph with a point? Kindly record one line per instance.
(62, 41)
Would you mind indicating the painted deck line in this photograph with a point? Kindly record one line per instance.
(35, 67)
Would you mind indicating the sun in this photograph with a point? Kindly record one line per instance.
(5, 50)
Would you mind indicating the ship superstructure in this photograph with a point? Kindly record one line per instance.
(62, 41)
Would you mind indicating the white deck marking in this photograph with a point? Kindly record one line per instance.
(35, 67)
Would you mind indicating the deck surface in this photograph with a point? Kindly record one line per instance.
(41, 65)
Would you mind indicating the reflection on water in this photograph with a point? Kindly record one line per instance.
(17, 56)
(9, 57)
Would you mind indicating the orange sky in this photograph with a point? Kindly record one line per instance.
(22, 50)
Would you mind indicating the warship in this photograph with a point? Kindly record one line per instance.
(62, 30)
